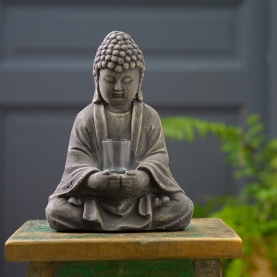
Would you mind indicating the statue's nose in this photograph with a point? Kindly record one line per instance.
(117, 85)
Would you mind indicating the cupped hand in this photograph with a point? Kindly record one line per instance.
(135, 181)
(104, 183)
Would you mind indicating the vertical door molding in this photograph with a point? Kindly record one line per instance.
(1, 29)
(271, 60)
(2, 184)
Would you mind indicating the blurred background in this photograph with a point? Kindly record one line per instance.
(211, 59)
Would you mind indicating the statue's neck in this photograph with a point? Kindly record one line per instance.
(119, 109)
(118, 124)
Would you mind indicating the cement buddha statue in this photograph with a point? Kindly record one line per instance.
(145, 197)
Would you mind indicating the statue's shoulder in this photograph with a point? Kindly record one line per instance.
(148, 110)
(150, 114)
(85, 117)
(87, 112)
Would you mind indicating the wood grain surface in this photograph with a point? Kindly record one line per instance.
(203, 239)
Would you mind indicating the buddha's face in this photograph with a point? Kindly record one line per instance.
(118, 89)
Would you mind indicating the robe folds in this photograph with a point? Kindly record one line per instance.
(115, 213)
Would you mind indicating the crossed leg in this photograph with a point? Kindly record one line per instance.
(172, 212)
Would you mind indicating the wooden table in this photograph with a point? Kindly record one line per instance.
(195, 252)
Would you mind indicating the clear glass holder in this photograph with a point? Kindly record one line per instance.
(116, 155)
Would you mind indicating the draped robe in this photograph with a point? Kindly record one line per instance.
(114, 213)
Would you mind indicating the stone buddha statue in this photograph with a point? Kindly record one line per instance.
(145, 197)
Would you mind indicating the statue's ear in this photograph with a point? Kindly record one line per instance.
(97, 98)
(139, 95)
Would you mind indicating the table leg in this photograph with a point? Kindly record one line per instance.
(207, 268)
(41, 269)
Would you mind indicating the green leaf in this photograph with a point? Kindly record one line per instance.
(252, 119)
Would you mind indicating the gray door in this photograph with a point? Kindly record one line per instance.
(203, 59)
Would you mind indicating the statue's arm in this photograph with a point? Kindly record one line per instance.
(82, 160)
(154, 160)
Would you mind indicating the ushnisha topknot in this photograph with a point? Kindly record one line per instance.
(118, 51)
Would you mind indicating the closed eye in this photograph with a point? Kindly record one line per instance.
(127, 79)
(109, 79)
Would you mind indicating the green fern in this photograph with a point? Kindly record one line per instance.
(253, 214)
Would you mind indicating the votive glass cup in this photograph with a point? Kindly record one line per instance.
(116, 155)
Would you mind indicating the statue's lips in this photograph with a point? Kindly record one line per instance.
(118, 95)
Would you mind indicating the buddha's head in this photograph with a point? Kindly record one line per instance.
(118, 70)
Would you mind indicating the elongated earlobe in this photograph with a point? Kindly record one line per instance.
(139, 96)
(97, 98)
